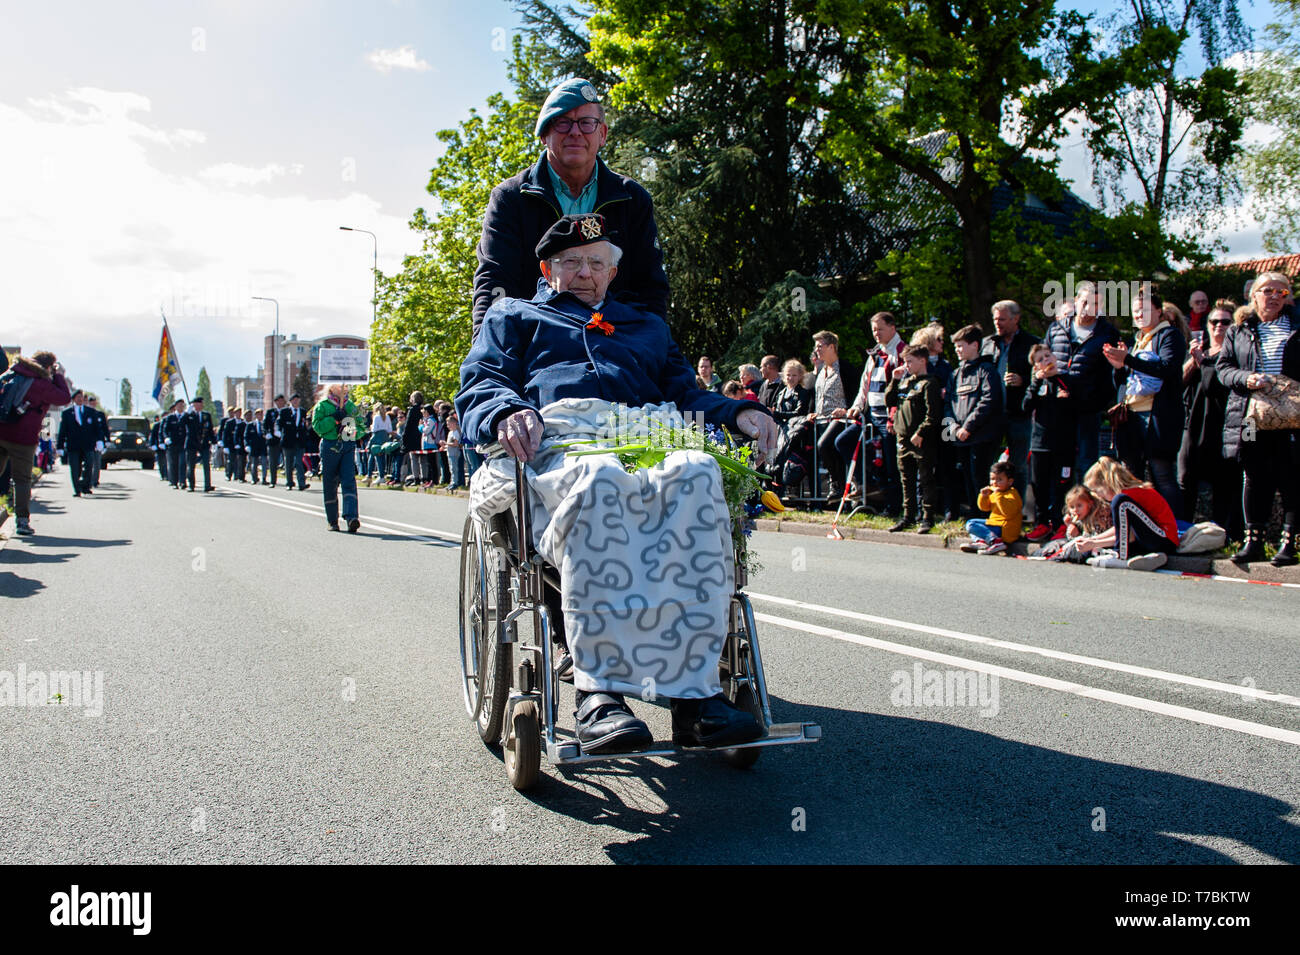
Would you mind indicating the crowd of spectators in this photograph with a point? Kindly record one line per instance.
(1091, 436)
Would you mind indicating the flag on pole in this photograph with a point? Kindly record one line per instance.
(169, 368)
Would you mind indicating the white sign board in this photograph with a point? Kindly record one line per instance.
(253, 399)
(347, 365)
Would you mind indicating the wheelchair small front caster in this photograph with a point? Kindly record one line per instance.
(523, 749)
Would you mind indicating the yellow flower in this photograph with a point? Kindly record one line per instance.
(772, 502)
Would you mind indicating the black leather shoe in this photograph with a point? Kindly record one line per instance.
(606, 725)
(1252, 550)
(903, 524)
(353, 525)
(713, 722)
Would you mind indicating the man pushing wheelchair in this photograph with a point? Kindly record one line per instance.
(646, 560)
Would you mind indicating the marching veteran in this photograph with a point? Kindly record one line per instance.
(645, 559)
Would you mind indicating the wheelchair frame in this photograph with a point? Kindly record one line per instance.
(510, 685)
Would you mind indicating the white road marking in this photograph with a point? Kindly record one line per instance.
(1233, 688)
(1020, 676)
(428, 535)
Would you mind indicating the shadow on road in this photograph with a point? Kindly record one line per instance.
(892, 789)
(11, 585)
(44, 541)
(431, 541)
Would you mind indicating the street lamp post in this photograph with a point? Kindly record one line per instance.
(275, 352)
(118, 401)
(374, 300)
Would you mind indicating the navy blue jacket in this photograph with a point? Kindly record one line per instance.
(977, 401)
(196, 430)
(295, 436)
(531, 353)
(1084, 370)
(78, 437)
(524, 206)
(1017, 362)
(1055, 422)
(254, 440)
(1164, 433)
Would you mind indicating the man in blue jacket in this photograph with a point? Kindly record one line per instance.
(569, 178)
(573, 340)
(1078, 339)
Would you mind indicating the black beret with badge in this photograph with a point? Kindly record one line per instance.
(571, 231)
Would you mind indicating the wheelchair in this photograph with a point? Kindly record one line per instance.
(509, 676)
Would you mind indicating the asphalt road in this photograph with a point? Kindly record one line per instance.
(272, 692)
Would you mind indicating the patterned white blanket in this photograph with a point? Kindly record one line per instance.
(645, 559)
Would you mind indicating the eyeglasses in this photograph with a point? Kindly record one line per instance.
(588, 124)
(573, 263)
(1272, 292)
(1221, 321)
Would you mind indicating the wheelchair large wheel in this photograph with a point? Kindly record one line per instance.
(523, 747)
(484, 659)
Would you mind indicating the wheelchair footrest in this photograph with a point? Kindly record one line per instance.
(567, 752)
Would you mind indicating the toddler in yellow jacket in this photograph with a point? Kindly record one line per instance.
(991, 535)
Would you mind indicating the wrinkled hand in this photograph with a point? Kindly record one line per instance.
(521, 434)
(1256, 381)
(761, 428)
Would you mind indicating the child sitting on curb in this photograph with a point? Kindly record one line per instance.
(991, 535)
(1085, 516)
(1145, 532)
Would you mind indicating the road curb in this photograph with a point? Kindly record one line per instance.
(1183, 563)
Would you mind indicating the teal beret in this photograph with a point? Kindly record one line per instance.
(568, 95)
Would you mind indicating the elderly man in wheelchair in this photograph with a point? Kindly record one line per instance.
(645, 560)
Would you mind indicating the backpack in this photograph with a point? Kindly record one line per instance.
(13, 394)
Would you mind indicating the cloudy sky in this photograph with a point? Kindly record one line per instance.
(191, 155)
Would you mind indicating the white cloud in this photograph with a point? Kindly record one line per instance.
(233, 174)
(101, 236)
(403, 58)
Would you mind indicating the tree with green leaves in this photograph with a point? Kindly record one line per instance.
(1272, 168)
(1172, 127)
(422, 332)
(303, 384)
(204, 387)
(124, 403)
(959, 98)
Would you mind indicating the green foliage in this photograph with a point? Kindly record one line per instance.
(204, 389)
(1225, 281)
(124, 397)
(782, 323)
(1002, 78)
(1272, 169)
(713, 118)
(422, 329)
(1173, 130)
(303, 384)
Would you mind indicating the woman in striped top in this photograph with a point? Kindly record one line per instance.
(1265, 344)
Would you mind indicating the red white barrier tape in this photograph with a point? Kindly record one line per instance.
(1231, 580)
